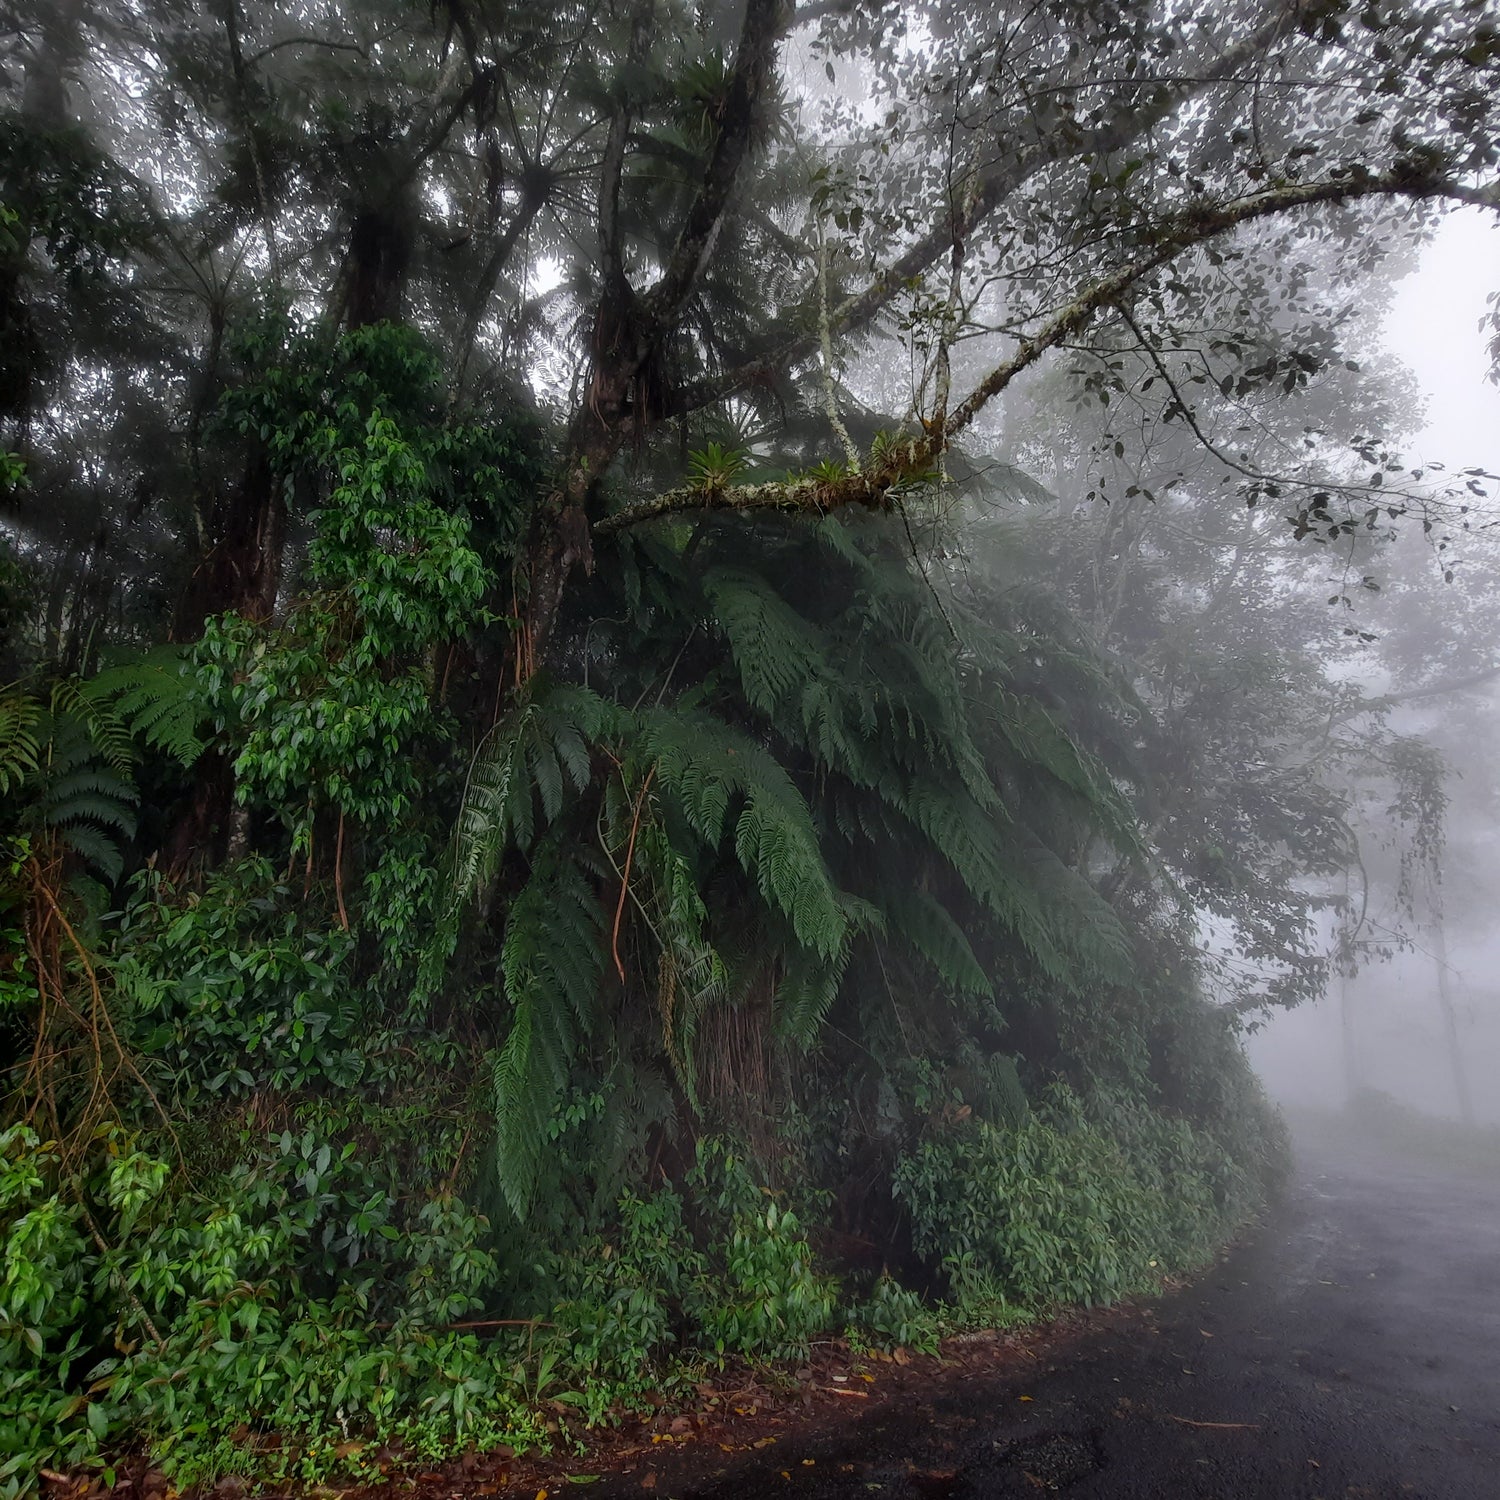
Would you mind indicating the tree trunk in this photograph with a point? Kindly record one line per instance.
(379, 257)
(1450, 1021)
(1353, 1077)
(241, 572)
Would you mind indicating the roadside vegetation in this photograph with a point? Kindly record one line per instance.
(562, 825)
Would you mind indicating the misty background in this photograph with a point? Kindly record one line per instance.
(1387, 1027)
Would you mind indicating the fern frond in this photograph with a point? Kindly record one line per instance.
(552, 961)
(95, 848)
(775, 649)
(108, 735)
(1051, 918)
(20, 748)
(928, 928)
(707, 766)
(806, 994)
(156, 699)
(691, 975)
(91, 795)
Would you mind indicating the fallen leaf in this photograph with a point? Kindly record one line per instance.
(764, 1442)
(649, 1482)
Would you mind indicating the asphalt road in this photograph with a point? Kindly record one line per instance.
(1349, 1348)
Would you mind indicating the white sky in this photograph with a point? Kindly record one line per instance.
(1432, 327)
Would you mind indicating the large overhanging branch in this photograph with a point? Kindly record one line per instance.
(906, 461)
(989, 191)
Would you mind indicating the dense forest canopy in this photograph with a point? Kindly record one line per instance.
(668, 676)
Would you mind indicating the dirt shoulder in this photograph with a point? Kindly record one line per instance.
(1346, 1349)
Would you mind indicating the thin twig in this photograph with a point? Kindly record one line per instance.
(1217, 1426)
(635, 823)
(338, 873)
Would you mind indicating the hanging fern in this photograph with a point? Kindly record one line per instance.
(928, 928)
(533, 753)
(709, 768)
(775, 648)
(552, 961)
(691, 974)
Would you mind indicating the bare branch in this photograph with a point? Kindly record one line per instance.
(1412, 695)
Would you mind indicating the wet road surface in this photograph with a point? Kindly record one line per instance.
(1349, 1348)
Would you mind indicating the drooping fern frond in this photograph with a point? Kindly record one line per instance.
(107, 733)
(155, 698)
(691, 975)
(928, 928)
(552, 961)
(708, 767)
(533, 753)
(879, 683)
(776, 649)
(1070, 931)
(19, 745)
(810, 984)
(78, 792)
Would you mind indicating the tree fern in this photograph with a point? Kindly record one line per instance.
(552, 961)
(707, 767)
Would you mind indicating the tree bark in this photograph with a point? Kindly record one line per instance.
(241, 572)
(1461, 1093)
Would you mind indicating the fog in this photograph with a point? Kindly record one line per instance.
(1390, 1027)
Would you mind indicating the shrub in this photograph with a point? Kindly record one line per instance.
(132, 1313)
(1065, 1209)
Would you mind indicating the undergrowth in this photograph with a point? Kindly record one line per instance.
(412, 1047)
(305, 1323)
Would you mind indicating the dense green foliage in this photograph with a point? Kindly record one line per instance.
(555, 835)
